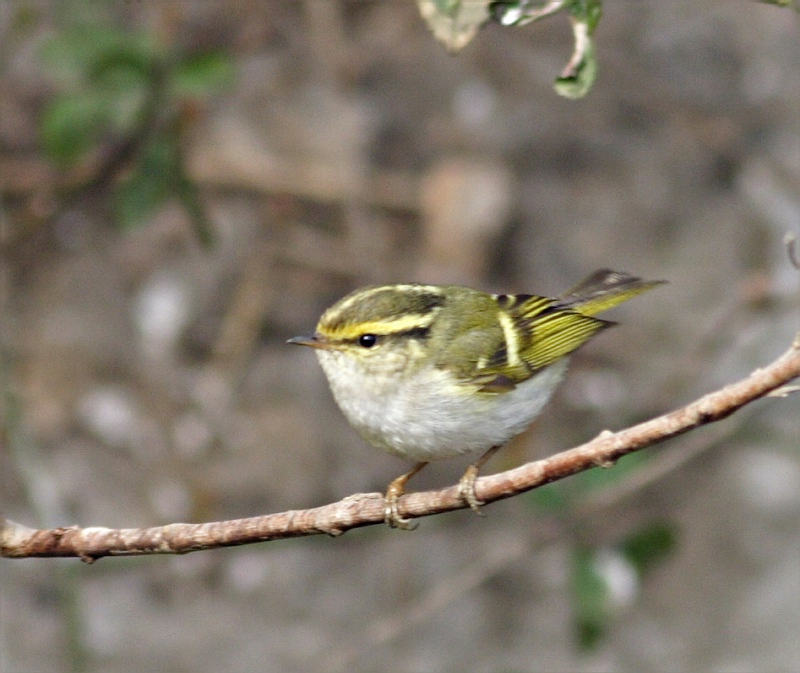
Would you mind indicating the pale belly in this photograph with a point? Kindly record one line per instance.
(428, 419)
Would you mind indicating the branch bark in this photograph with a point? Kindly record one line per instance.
(365, 509)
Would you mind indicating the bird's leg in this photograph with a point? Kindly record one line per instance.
(393, 492)
(466, 485)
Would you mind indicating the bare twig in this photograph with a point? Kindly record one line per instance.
(399, 619)
(366, 509)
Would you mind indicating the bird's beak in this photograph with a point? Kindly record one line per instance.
(313, 340)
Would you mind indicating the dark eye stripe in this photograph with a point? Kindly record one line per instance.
(370, 340)
(416, 333)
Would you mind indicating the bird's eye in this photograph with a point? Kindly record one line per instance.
(367, 340)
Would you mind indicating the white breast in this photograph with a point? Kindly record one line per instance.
(426, 417)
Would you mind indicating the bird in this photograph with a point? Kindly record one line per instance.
(429, 372)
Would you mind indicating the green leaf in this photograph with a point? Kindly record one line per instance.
(588, 12)
(70, 54)
(649, 546)
(112, 70)
(121, 67)
(71, 125)
(127, 93)
(203, 75)
(454, 22)
(77, 51)
(590, 600)
(580, 73)
(148, 186)
(447, 7)
(523, 12)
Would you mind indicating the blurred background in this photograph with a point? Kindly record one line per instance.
(185, 185)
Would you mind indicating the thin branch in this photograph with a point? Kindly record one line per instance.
(364, 509)
(399, 619)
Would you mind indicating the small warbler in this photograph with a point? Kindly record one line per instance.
(427, 372)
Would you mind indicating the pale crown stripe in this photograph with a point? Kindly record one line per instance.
(396, 325)
(363, 294)
(400, 323)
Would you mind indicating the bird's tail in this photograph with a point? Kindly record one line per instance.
(603, 290)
